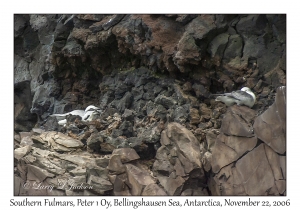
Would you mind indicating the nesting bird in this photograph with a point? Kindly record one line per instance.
(86, 115)
(240, 97)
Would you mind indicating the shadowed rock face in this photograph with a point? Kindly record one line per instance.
(152, 77)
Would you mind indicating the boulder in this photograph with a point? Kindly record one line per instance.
(173, 186)
(120, 185)
(21, 152)
(255, 172)
(99, 185)
(115, 165)
(228, 149)
(178, 159)
(238, 121)
(270, 127)
(138, 179)
(126, 154)
(153, 189)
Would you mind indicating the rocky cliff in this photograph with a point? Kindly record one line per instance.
(159, 131)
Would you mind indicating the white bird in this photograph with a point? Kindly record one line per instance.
(86, 115)
(240, 97)
(90, 112)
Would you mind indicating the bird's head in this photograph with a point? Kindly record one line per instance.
(91, 108)
(246, 89)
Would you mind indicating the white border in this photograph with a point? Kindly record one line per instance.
(8, 8)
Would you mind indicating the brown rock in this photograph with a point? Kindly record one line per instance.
(164, 140)
(204, 110)
(270, 127)
(153, 189)
(19, 186)
(99, 184)
(274, 162)
(163, 167)
(228, 149)
(281, 186)
(206, 161)
(211, 137)
(282, 160)
(120, 186)
(222, 155)
(126, 154)
(255, 171)
(185, 141)
(172, 186)
(178, 168)
(187, 192)
(138, 179)
(162, 153)
(227, 182)
(194, 116)
(115, 165)
(200, 192)
(187, 165)
(239, 144)
(237, 121)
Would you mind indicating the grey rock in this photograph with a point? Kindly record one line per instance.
(112, 21)
(150, 134)
(126, 128)
(125, 102)
(181, 114)
(200, 90)
(234, 47)
(128, 115)
(167, 102)
(78, 172)
(217, 47)
(94, 141)
(252, 25)
(23, 119)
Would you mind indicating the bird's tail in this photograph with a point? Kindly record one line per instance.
(57, 115)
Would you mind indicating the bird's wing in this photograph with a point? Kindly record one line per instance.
(87, 115)
(77, 112)
(240, 95)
